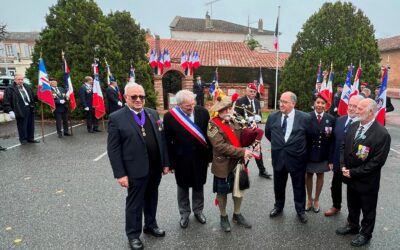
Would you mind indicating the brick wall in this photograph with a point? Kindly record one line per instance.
(394, 72)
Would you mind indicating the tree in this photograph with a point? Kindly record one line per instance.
(337, 33)
(252, 43)
(79, 28)
(2, 31)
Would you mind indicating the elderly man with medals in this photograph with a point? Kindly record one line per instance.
(224, 133)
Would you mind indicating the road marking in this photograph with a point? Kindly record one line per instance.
(52, 133)
(394, 150)
(100, 156)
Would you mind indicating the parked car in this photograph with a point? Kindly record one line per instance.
(6, 81)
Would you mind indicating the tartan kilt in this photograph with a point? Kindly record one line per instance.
(223, 185)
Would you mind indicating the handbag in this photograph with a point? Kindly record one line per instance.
(244, 181)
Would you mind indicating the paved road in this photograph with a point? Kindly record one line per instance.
(55, 196)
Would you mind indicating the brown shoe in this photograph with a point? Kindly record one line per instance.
(332, 211)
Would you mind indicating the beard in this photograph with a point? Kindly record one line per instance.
(362, 118)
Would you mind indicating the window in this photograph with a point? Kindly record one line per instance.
(9, 50)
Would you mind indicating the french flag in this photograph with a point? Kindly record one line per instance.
(345, 97)
(196, 60)
(160, 64)
(354, 88)
(44, 90)
(98, 100)
(167, 59)
(153, 59)
(381, 100)
(326, 90)
(184, 62)
(260, 88)
(69, 87)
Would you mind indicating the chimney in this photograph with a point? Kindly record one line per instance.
(157, 43)
(260, 25)
(208, 21)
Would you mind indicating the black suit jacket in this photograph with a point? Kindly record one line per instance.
(112, 100)
(126, 147)
(198, 89)
(243, 105)
(339, 134)
(293, 153)
(86, 97)
(13, 100)
(187, 155)
(60, 108)
(365, 173)
(320, 138)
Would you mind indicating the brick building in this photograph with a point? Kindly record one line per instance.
(390, 49)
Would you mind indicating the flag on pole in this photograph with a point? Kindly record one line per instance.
(276, 34)
(330, 88)
(260, 88)
(184, 62)
(69, 87)
(319, 74)
(326, 89)
(160, 64)
(110, 77)
(167, 59)
(44, 90)
(345, 97)
(98, 100)
(132, 75)
(354, 87)
(153, 59)
(196, 60)
(381, 100)
(214, 85)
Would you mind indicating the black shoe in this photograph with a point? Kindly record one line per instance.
(34, 141)
(275, 211)
(156, 232)
(225, 225)
(2, 149)
(200, 218)
(302, 218)
(59, 135)
(96, 130)
(360, 240)
(67, 134)
(347, 230)
(23, 142)
(184, 222)
(90, 131)
(265, 175)
(136, 244)
(240, 220)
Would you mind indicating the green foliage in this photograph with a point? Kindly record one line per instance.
(252, 43)
(337, 33)
(79, 28)
(2, 31)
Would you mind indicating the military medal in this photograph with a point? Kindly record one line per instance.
(141, 121)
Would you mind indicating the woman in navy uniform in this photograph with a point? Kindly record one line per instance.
(320, 145)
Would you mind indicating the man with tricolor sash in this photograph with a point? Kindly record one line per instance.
(189, 152)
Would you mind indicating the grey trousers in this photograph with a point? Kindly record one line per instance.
(184, 202)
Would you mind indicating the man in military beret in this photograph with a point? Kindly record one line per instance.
(61, 111)
(362, 86)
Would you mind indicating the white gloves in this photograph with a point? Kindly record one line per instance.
(12, 115)
(62, 101)
(87, 109)
(335, 109)
(119, 103)
(257, 118)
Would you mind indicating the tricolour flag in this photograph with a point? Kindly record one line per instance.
(160, 64)
(132, 75)
(98, 100)
(167, 59)
(196, 60)
(276, 34)
(381, 100)
(69, 87)
(326, 90)
(319, 74)
(354, 88)
(153, 59)
(260, 88)
(345, 97)
(214, 85)
(44, 90)
(184, 62)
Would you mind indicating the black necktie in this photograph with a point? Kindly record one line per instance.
(319, 118)
(358, 136)
(252, 105)
(23, 93)
(284, 125)
(347, 125)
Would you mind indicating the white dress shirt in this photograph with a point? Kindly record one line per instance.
(289, 123)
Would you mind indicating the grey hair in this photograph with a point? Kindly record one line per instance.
(367, 91)
(372, 105)
(358, 97)
(184, 95)
(132, 85)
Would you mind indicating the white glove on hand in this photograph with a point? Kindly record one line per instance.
(335, 109)
(12, 115)
(62, 101)
(257, 118)
(119, 103)
(87, 109)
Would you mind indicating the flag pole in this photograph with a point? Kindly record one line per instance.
(69, 110)
(277, 62)
(41, 108)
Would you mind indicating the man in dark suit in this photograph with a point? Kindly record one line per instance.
(336, 100)
(114, 97)
(341, 126)
(286, 129)
(19, 103)
(86, 96)
(61, 111)
(198, 89)
(138, 155)
(249, 108)
(189, 153)
(363, 154)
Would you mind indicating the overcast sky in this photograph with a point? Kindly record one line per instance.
(156, 15)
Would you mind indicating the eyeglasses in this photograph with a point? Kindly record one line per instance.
(135, 97)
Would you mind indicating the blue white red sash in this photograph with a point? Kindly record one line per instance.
(190, 126)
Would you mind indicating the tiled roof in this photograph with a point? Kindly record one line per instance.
(226, 54)
(389, 43)
(199, 25)
(21, 36)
